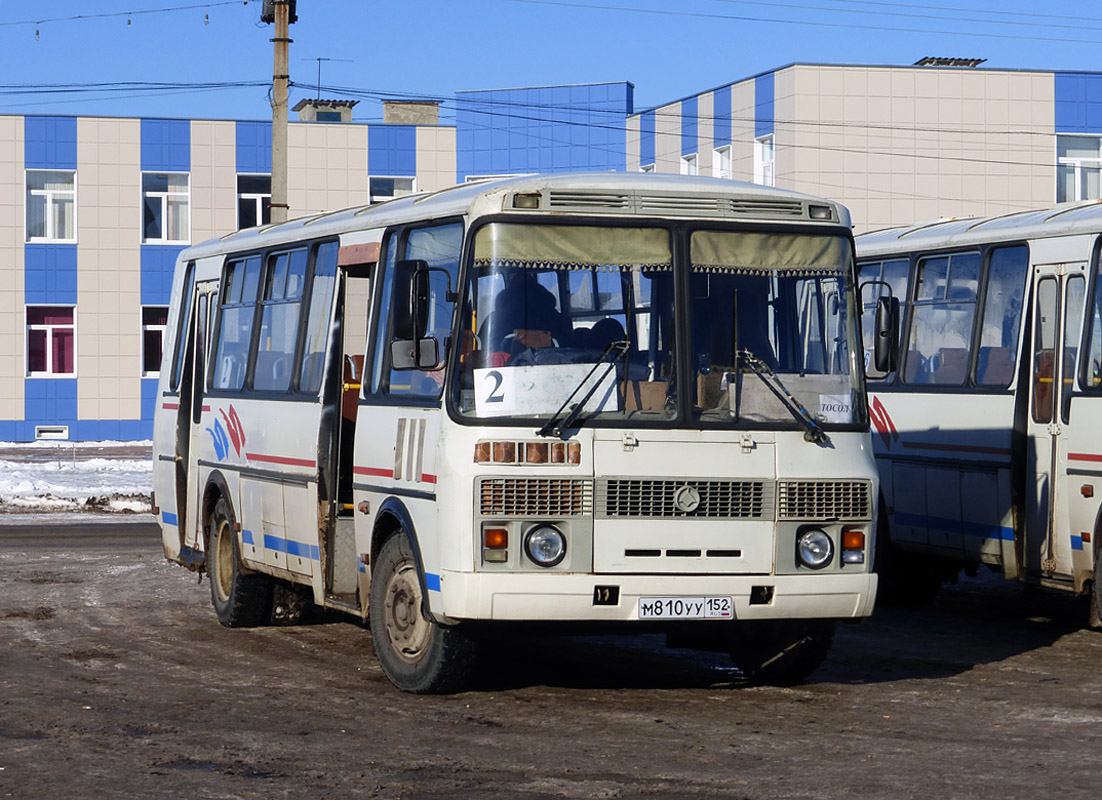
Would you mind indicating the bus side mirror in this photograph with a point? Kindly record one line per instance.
(410, 299)
(415, 354)
(886, 346)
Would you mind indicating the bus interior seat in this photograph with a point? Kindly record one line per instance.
(995, 366)
(950, 366)
(353, 375)
(916, 368)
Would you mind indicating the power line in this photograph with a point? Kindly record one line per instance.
(133, 13)
(806, 22)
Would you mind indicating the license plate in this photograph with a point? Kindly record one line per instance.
(686, 608)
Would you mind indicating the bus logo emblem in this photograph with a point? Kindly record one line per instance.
(687, 499)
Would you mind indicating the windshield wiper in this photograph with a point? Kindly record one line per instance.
(813, 432)
(550, 428)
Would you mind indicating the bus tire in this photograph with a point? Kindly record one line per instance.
(416, 654)
(240, 600)
(781, 652)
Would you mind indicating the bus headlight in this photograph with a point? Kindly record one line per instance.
(814, 549)
(545, 545)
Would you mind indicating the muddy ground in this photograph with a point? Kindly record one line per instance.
(117, 682)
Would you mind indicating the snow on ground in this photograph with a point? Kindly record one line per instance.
(44, 479)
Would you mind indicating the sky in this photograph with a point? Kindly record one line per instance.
(58, 55)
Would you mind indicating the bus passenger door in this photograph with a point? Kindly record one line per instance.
(189, 416)
(1044, 547)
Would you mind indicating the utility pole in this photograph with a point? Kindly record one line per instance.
(280, 78)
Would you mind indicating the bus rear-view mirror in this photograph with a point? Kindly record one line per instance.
(411, 299)
(886, 346)
(421, 354)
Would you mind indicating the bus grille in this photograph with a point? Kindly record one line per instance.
(658, 498)
(823, 500)
(538, 497)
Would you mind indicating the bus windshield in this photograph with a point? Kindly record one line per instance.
(580, 320)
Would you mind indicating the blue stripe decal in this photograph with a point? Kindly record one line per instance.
(292, 548)
(247, 538)
(1076, 542)
(979, 529)
(169, 519)
(432, 582)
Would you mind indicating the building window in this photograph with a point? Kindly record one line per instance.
(688, 165)
(51, 206)
(51, 343)
(254, 200)
(1078, 165)
(647, 168)
(721, 162)
(763, 161)
(165, 208)
(389, 188)
(327, 116)
(154, 319)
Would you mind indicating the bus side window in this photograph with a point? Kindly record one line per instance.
(896, 274)
(440, 247)
(279, 321)
(183, 320)
(1091, 375)
(317, 318)
(942, 319)
(1002, 313)
(237, 309)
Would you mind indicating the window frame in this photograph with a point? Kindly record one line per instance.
(690, 164)
(1077, 164)
(255, 198)
(765, 169)
(720, 155)
(49, 194)
(372, 198)
(147, 329)
(164, 203)
(49, 328)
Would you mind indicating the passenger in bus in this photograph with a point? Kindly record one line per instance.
(524, 315)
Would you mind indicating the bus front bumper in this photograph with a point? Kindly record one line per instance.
(571, 597)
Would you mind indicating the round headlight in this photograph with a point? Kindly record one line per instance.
(545, 545)
(814, 549)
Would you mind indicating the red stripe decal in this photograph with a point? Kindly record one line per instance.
(428, 478)
(206, 409)
(1094, 458)
(374, 472)
(290, 462)
(170, 406)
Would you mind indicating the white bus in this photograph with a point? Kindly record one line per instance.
(600, 399)
(985, 436)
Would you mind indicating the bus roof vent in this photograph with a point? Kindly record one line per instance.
(589, 201)
(767, 208)
(673, 204)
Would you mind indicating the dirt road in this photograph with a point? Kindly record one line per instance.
(117, 682)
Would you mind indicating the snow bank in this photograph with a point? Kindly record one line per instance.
(72, 484)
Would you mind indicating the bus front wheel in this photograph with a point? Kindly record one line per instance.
(1096, 592)
(240, 600)
(417, 654)
(781, 652)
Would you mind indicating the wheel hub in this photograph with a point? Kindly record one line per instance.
(406, 627)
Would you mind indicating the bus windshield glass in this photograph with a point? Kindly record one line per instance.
(772, 328)
(579, 322)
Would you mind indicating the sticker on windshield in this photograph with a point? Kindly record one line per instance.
(538, 390)
(835, 408)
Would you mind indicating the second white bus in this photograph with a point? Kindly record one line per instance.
(985, 436)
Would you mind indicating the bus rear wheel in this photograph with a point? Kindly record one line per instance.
(781, 652)
(417, 654)
(1096, 592)
(240, 600)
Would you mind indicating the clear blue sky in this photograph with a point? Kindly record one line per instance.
(434, 47)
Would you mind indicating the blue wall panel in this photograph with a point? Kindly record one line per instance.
(50, 142)
(254, 147)
(392, 150)
(542, 129)
(763, 105)
(49, 401)
(690, 126)
(646, 138)
(166, 145)
(157, 265)
(721, 117)
(1078, 103)
(50, 274)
